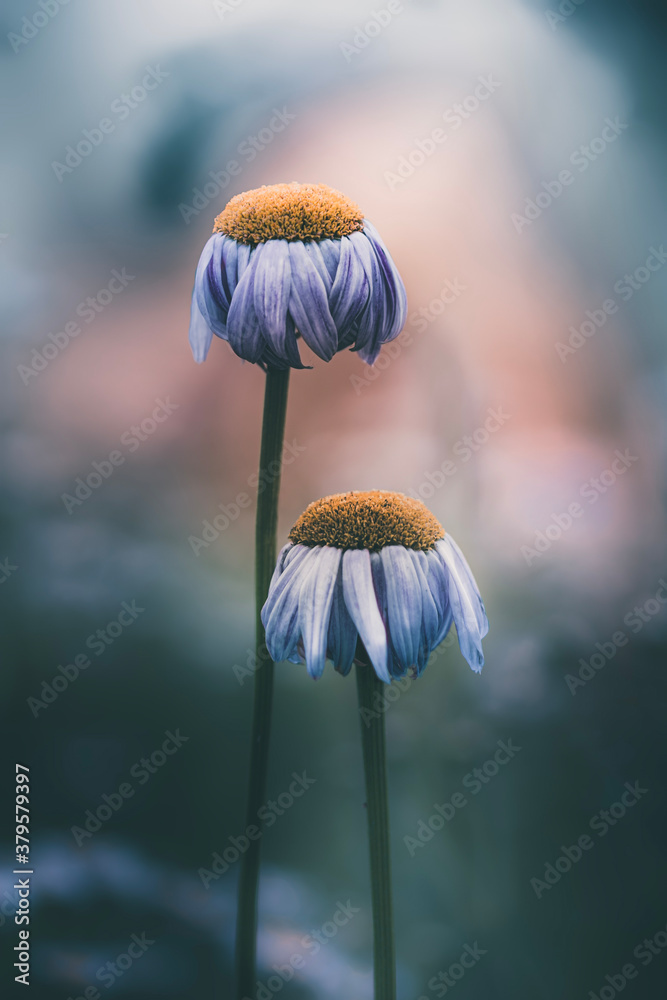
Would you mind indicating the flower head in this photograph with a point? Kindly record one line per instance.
(289, 260)
(373, 568)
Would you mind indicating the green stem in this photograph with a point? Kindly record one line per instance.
(375, 770)
(270, 464)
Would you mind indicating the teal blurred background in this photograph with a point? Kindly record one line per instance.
(531, 377)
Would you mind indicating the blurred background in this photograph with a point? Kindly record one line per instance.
(524, 403)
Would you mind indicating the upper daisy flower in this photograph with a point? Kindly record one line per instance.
(289, 260)
(377, 568)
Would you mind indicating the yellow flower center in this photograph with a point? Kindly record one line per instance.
(369, 520)
(289, 212)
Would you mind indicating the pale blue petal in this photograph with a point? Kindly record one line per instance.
(292, 561)
(280, 614)
(350, 290)
(282, 631)
(285, 556)
(271, 292)
(342, 637)
(372, 320)
(466, 604)
(243, 327)
(380, 585)
(314, 251)
(200, 332)
(394, 288)
(362, 605)
(430, 616)
(404, 604)
(330, 250)
(216, 289)
(466, 573)
(200, 335)
(315, 607)
(438, 581)
(309, 305)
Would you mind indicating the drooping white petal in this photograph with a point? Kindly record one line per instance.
(466, 603)
(280, 614)
(315, 607)
(430, 613)
(404, 604)
(362, 605)
(342, 636)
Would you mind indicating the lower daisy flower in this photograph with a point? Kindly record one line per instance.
(374, 568)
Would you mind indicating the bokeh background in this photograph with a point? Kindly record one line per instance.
(493, 298)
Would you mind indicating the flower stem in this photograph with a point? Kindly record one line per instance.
(270, 460)
(375, 770)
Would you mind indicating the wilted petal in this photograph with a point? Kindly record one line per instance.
(342, 636)
(290, 357)
(362, 605)
(218, 295)
(330, 250)
(350, 289)
(380, 586)
(438, 581)
(200, 323)
(294, 558)
(285, 555)
(397, 300)
(280, 614)
(404, 604)
(466, 604)
(430, 616)
(200, 332)
(309, 305)
(372, 320)
(315, 606)
(243, 327)
(272, 292)
(314, 250)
